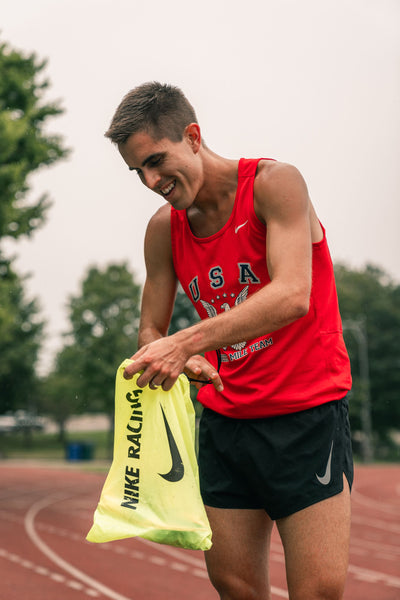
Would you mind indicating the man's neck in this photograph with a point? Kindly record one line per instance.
(214, 202)
(219, 180)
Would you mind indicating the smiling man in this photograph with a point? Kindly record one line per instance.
(268, 356)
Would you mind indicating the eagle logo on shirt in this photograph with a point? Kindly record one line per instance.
(212, 311)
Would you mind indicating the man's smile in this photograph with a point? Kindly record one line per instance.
(167, 189)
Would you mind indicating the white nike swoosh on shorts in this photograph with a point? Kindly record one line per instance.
(325, 479)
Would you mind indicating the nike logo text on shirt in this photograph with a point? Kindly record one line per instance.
(325, 479)
(177, 470)
(239, 226)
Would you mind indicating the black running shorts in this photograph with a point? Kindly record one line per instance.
(280, 464)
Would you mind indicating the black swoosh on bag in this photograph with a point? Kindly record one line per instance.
(177, 470)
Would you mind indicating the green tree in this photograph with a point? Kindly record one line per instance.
(20, 338)
(25, 147)
(370, 303)
(104, 321)
(60, 390)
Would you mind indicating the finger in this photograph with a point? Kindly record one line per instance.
(127, 374)
(139, 363)
(208, 375)
(145, 378)
(198, 370)
(192, 370)
(169, 382)
(154, 378)
(130, 370)
(217, 381)
(136, 365)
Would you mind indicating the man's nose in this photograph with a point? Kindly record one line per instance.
(152, 179)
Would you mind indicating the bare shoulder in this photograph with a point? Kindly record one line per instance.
(274, 176)
(161, 219)
(278, 187)
(158, 237)
(159, 226)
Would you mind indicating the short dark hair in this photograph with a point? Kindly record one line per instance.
(160, 109)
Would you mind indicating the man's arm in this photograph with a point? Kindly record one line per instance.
(159, 290)
(281, 201)
(158, 298)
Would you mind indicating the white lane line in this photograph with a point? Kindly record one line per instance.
(374, 546)
(389, 509)
(57, 577)
(177, 566)
(39, 570)
(376, 523)
(382, 556)
(63, 564)
(371, 576)
(160, 561)
(279, 592)
(277, 557)
(358, 551)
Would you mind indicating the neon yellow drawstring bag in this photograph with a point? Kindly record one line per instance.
(152, 488)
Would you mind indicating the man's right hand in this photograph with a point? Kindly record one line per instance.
(201, 372)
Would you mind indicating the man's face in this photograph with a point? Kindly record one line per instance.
(171, 169)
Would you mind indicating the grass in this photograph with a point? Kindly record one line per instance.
(48, 446)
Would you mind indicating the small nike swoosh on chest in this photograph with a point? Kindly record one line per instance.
(239, 226)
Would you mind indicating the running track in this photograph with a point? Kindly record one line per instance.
(45, 513)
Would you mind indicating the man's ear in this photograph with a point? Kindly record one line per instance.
(193, 135)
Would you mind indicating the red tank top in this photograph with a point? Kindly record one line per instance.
(294, 368)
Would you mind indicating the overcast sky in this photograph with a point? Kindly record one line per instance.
(313, 82)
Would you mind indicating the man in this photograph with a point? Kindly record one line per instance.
(243, 239)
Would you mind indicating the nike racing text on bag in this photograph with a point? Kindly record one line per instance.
(152, 488)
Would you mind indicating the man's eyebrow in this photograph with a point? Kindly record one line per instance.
(148, 159)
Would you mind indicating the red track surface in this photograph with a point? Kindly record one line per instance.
(45, 514)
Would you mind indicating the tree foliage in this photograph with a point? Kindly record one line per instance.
(370, 299)
(24, 144)
(20, 338)
(60, 390)
(104, 321)
(25, 147)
